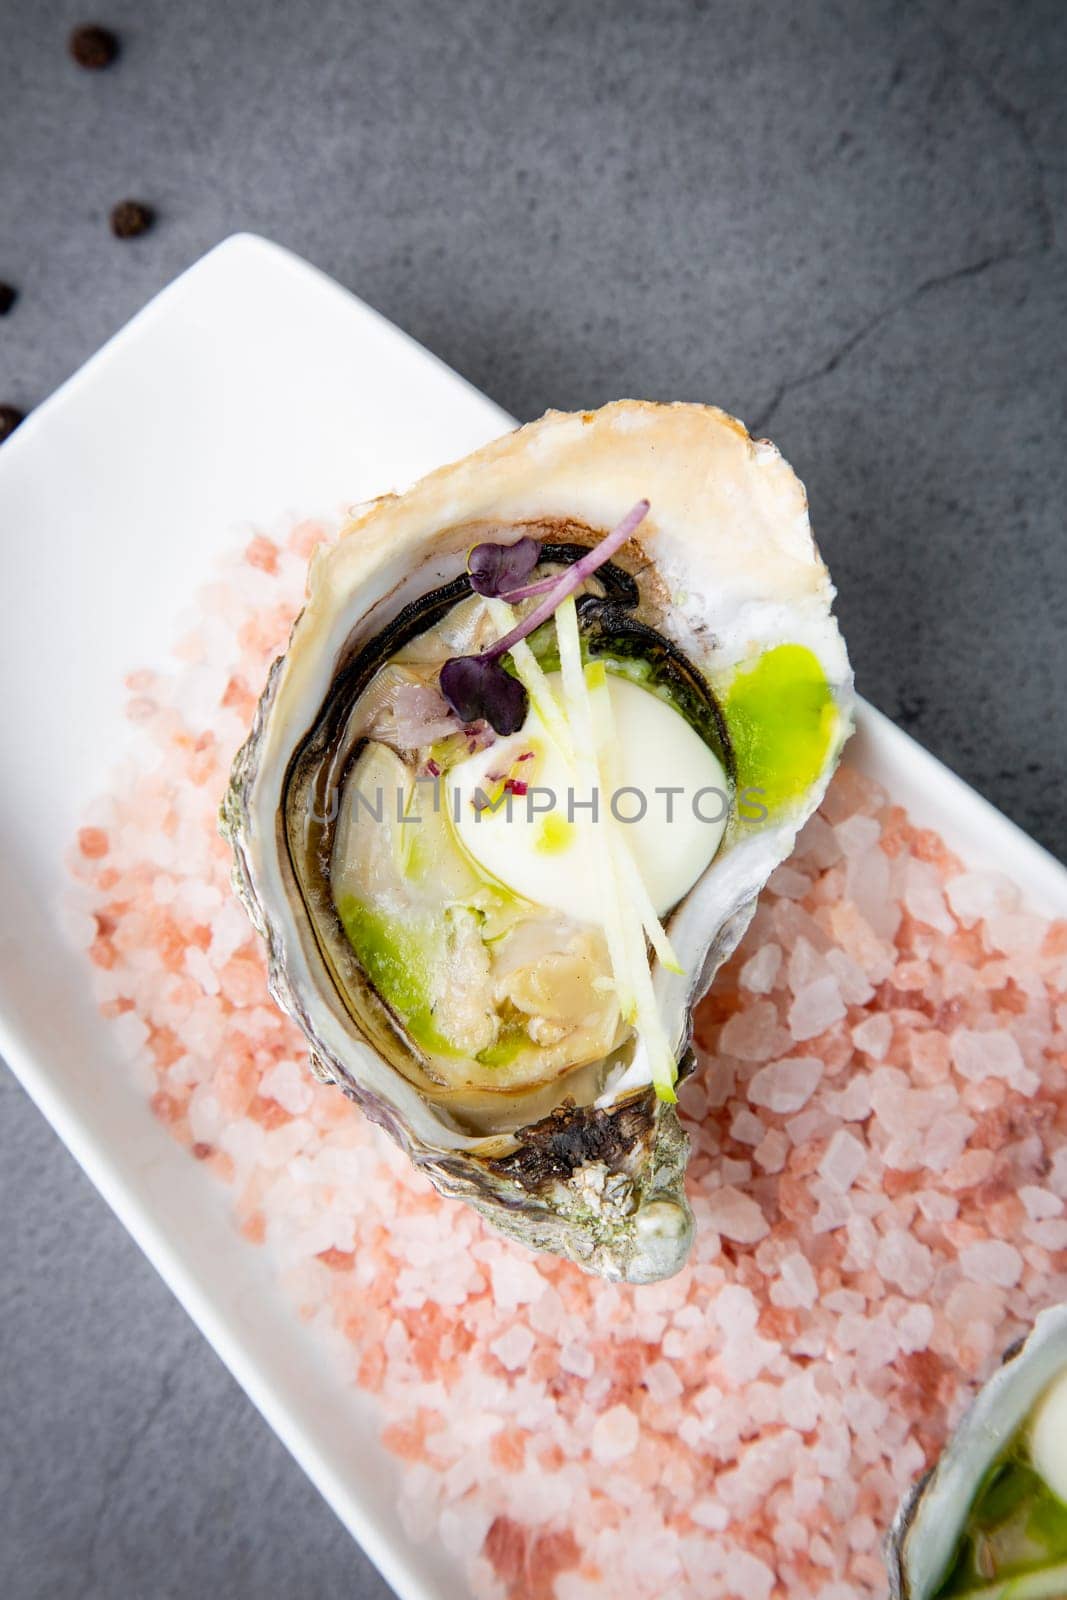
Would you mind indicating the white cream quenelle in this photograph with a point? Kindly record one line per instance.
(545, 726)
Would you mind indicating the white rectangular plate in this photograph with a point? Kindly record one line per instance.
(252, 387)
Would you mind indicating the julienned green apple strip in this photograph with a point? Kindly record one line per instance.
(610, 849)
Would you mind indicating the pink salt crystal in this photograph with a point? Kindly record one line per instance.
(868, 888)
(873, 1035)
(760, 971)
(924, 899)
(662, 1382)
(710, 1514)
(805, 964)
(735, 1310)
(734, 1172)
(288, 1083)
(930, 1056)
(796, 1285)
(902, 1260)
(975, 895)
(786, 1085)
(1040, 1203)
(1057, 1176)
(787, 881)
(747, 1575)
(1050, 1234)
(754, 1034)
(946, 1140)
(853, 1102)
(937, 1207)
(844, 1302)
(1018, 933)
(915, 1327)
(818, 844)
(854, 986)
(615, 1435)
(514, 1348)
(862, 1533)
(814, 1123)
(747, 1128)
(577, 1358)
(987, 1055)
(833, 1212)
(858, 939)
(771, 1154)
(800, 1402)
(857, 834)
(992, 1261)
(973, 1167)
(817, 1007)
(843, 1160)
(791, 922)
(862, 1239)
(516, 1280)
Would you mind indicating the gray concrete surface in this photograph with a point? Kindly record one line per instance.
(842, 222)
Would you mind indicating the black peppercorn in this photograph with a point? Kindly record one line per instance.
(10, 417)
(8, 296)
(129, 218)
(93, 47)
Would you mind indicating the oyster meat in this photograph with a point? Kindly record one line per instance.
(990, 1521)
(545, 726)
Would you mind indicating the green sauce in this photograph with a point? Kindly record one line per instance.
(398, 957)
(782, 720)
(1015, 1534)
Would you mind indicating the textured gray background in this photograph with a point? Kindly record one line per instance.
(841, 222)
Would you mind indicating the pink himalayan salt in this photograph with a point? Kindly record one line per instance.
(513, 1349)
(857, 834)
(418, 1298)
(993, 1054)
(843, 1161)
(1050, 1234)
(924, 898)
(902, 1260)
(771, 1153)
(976, 895)
(787, 1085)
(992, 1261)
(760, 971)
(747, 1128)
(615, 1435)
(873, 1034)
(817, 1007)
(797, 1284)
(1040, 1203)
(853, 1102)
(754, 1034)
(736, 1216)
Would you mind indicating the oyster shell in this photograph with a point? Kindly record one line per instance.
(718, 605)
(990, 1520)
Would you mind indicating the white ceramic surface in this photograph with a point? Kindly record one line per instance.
(251, 387)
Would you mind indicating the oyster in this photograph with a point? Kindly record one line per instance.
(990, 1521)
(491, 983)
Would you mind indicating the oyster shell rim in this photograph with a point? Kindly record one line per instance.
(1026, 1369)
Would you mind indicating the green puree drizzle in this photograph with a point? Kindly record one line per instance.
(1014, 1543)
(397, 957)
(782, 719)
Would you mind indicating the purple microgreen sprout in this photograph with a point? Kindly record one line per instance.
(479, 686)
(498, 569)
